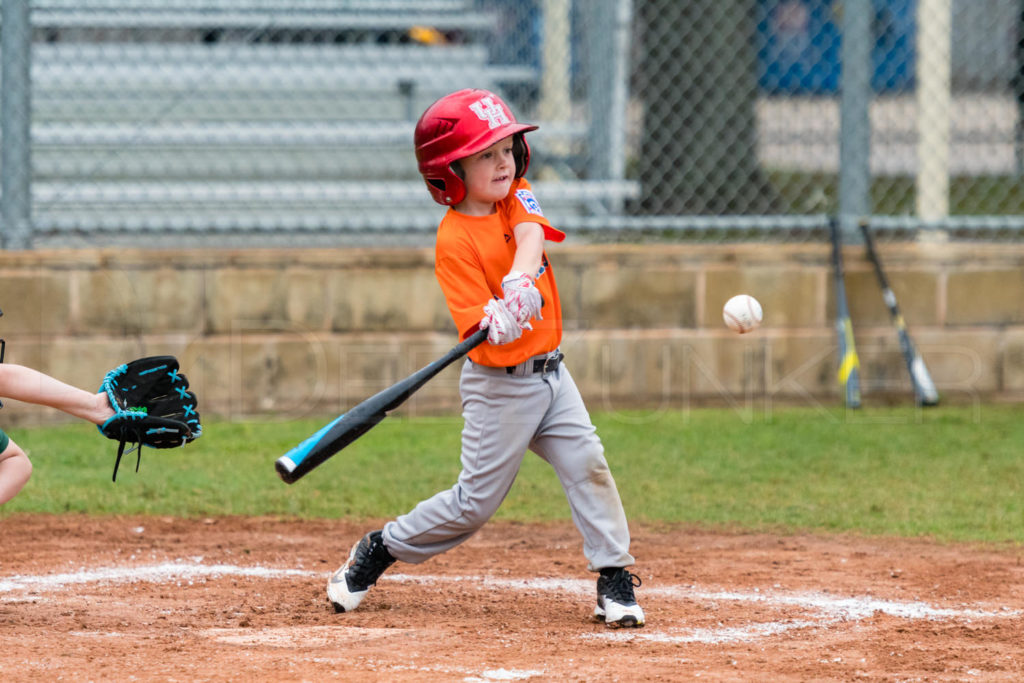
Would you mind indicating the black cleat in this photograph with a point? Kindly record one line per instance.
(367, 561)
(616, 603)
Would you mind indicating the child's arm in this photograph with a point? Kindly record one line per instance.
(529, 248)
(31, 386)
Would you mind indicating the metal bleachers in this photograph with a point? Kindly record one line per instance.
(187, 115)
(374, 15)
(197, 111)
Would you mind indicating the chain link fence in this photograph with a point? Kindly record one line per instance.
(264, 122)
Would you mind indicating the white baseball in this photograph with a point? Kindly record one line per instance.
(742, 313)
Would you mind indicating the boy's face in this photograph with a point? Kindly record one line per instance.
(488, 177)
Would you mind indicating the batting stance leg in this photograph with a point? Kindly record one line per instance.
(500, 417)
(568, 441)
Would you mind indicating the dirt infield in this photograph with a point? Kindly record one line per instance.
(232, 599)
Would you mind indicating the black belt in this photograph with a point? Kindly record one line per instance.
(546, 364)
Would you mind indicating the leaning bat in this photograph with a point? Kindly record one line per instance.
(297, 462)
(849, 364)
(925, 392)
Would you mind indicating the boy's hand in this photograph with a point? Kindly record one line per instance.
(502, 327)
(522, 298)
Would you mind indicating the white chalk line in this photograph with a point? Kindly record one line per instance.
(301, 636)
(823, 609)
(711, 636)
(842, 607)
(159, 573)
(827, 610)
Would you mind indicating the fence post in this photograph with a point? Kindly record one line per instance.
(1018, 90)
(555, 104)
(15, 113)
(934, 107)
(854, 116)
(608, 35)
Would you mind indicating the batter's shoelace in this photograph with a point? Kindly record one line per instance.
(619, 587)
(371, 560)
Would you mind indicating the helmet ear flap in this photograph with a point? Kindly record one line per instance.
(521, 153)
(447, 187)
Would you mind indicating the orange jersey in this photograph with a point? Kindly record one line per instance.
(473, 254)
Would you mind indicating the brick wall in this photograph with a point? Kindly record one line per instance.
(311, 332)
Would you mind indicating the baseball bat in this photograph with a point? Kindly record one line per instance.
(348, 427)
(925, 392)
(849, 363)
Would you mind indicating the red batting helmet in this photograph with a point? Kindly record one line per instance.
(460, 125)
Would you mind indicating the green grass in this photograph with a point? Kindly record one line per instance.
(951, 473)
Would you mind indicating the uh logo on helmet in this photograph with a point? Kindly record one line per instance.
(460, 125)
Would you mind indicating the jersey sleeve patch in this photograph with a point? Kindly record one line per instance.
(529, 202)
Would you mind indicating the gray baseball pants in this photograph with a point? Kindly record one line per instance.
(506, 415)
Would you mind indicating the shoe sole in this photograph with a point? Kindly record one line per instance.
(627, 621)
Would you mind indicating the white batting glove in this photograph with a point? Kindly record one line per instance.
(522, 298)
(502, 327)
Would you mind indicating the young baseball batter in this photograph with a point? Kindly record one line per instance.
(31, 386)
(517, 395)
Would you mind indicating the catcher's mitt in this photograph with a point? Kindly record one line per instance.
(152, 405)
